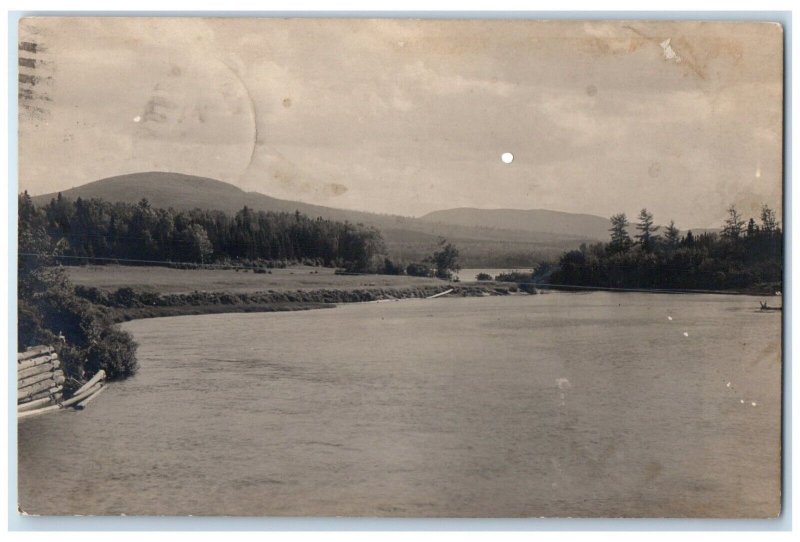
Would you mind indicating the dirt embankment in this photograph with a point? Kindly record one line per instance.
(129, 304)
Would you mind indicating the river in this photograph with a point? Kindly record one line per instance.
(562, 404)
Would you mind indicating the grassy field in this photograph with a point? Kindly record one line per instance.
(164, 280)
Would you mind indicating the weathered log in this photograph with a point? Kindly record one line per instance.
(36, 361)
(55, 390)
(33, 362)
(65, 404)
(440, 294)
(37, 411)
(78, 397)
(92, 397)
(39, 386)
(38, 403)
(31, 380)
(44, 368)
(100, 375)
(34, 352)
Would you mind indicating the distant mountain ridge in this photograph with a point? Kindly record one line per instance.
(485, 237)
(180, 191)
(533, 220)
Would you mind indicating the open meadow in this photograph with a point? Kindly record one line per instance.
(164, 280)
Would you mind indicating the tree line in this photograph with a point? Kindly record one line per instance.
(93, 229)
(745, 254)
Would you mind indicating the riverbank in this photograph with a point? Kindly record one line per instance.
(130, 304)
(129, 293)
(763, 291)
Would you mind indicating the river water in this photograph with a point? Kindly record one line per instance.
(560, 404)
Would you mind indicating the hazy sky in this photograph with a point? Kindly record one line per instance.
(409, 116)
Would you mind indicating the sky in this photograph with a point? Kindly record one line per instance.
(411, 116)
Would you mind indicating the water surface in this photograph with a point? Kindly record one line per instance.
(560, 404)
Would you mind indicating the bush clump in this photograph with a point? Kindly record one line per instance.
(392, 268)
(82, 333)
(419, 270)
(514, 276)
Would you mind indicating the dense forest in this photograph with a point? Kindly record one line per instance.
(96, 230)
(745, 255)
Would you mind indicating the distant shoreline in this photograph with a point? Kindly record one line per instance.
(572, 288)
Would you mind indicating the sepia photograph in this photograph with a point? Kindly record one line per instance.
(399, 267)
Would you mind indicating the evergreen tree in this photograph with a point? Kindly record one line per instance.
(647, 230)
(672, 235)
(752, 229)
(769, 224)
(734, 224)
(620, 240)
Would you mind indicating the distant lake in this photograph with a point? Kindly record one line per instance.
(593, 404)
